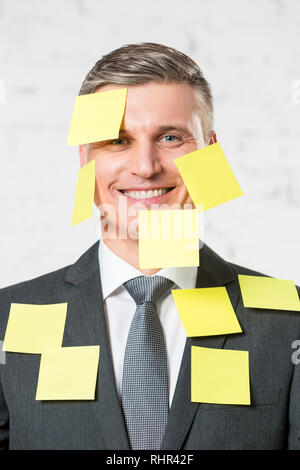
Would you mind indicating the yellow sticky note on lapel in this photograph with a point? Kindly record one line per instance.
(32, 328)
(168, 238)
(97, 116)
(84, 195)
(220, 376)
(269, 293)
(68, 373)
(208, 176)
(206, 311)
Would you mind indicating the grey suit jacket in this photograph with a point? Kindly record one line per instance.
(271, 422)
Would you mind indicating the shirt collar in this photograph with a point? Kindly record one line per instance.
(114, 271)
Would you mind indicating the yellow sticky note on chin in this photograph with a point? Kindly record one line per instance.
(208, 177)
(68, 373)
(168, 238)
(206, 311)
(32, 328)
(269, 293)
(220, 376)
(84, 195)
(97, 116)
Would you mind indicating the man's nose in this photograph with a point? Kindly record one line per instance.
(145, 161)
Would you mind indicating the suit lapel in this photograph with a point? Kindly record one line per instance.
(213, 272)
(86, 325)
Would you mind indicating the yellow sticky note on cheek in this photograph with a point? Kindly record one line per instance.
(220, 376)
(168, 238)
(208, 177)
(269, 293)
(68, 373)
(97, 117)
(84, 195)
(32, 328)
(206, 311)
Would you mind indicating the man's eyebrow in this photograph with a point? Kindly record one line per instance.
(165, 128)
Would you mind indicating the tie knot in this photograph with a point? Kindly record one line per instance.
(148, 288)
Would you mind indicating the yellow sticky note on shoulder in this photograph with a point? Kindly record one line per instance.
(208, 177)
(68, 373)
(84, 194)
(32, 328)
(206, 311)
(220, 376)
(168, 238)
(269, 293)
(97, 116)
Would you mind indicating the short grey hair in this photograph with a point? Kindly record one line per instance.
(137, 64)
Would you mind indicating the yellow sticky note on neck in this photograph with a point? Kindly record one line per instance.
(68, 373)
(84, 195)
(168, 238)
(97, 116)
(208, 177)
(220, 376)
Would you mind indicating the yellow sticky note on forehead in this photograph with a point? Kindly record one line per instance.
(84, 195)
(32, 328)
(208, 176)
(220, 376)
(168, 238)
(269, 293)
(206, 311)
(97, 117)
(68, 373)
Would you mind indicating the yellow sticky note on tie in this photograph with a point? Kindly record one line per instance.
(97, 117)
(269, 293)
(206, 311)
(208, 177)
(68, 373)
(220, 376)
(32, 328)
(168, 238)
(84, 195)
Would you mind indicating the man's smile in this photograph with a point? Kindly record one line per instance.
(151, 195)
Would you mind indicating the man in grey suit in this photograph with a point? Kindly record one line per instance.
(168, 114)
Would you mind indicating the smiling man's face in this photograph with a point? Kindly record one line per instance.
(137, 170)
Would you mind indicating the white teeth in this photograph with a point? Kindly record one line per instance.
(145, 194)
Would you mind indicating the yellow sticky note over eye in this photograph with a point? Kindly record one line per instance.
(206, 311)
(32, 328)
(269, 293)
(84, 195)
(220, 376)
(208, 176)
(68, 373)
(97, 117)
(168, 238)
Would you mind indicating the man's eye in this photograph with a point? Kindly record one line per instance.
(171, 138)
(117, 141)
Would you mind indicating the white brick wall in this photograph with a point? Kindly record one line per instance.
(248, 50)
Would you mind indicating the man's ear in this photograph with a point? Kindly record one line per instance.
(83, 154)
(213, 138)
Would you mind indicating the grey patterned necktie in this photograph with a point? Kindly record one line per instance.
(145, 397)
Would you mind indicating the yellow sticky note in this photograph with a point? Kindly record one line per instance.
(97, 117)
(84, 195)
(270, 293)
(220, 376)
(206, 311)
(32, 328)
(208, 177)
(68, 373)
(168, 238)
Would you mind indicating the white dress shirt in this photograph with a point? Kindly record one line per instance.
(120, 307)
